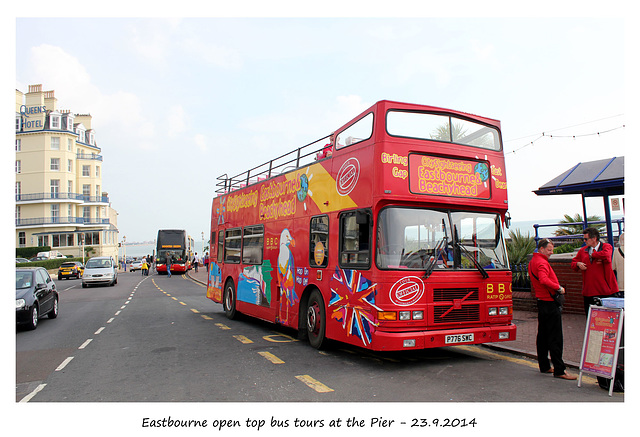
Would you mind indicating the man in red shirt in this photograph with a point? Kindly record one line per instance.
(594, 261)
(549, 341)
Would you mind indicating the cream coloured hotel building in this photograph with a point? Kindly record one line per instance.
(60, 199)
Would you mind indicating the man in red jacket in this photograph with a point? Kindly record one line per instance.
(594, 261)
(549, 341)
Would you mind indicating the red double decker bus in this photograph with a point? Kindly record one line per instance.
(388, 234)
(177, 245)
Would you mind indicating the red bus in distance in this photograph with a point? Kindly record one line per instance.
(387, 234)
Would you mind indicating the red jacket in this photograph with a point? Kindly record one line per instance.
(543, 279)
(598, 279)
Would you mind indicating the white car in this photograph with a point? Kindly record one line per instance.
(135, 265)
(100, 270)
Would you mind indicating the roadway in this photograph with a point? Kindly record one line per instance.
(158, 339)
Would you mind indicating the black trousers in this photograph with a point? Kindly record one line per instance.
(549, 342)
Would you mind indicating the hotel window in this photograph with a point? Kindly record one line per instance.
(18, 145)
(54, 185)
(55, 122)
(69, 144)
(55, 164)
(86, 214)
(69, 165)
(18, 189)
(18, 122)
(43, 240)
(69, 212)
(69, 187)
(86, 190)
(22, 239)
(98, 192)
(55, 212)
(18, 166)
(86, 170)
(91, 238)
(55, 143)
(18, 213)
(97, 171)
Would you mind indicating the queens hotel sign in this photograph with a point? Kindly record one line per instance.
(27, 111)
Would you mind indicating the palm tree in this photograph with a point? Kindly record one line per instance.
(577, 228)
(519, 247)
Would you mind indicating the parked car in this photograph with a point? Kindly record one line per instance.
(100, 270)
(38, 258)
(71, 269)
(135, 265)
(36, 296)
(22, 260)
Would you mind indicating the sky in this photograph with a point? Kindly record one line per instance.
(177, 102)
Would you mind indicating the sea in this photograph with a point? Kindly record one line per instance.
(137, 250)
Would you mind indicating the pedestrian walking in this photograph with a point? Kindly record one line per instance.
(195, 261)
(549, 340)
(144, 268)
(168, 265)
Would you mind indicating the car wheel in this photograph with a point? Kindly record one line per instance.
(33, 320)
(54, 311)
(84, 285)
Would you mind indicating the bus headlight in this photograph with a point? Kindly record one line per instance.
(493, 311)
(405, 315)
(505, 311)
(418, 315)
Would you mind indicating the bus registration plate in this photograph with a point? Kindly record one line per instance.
(458, 338)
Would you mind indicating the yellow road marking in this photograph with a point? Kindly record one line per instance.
(272, 338)
(269, 356)
(242, 339)
(314, 384)
(172, 297)
(182, 303)
(222, 326)
(195, 310)
(204, 316)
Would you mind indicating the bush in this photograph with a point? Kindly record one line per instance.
(30, 252)
(49, 264)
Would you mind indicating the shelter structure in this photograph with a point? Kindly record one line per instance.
(603, 178)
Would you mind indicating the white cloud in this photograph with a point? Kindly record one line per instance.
(176, 120)
(201, 142)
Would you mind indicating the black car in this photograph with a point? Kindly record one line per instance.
(36, 296)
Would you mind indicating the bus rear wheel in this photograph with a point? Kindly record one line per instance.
(229, 300)
(316, 320)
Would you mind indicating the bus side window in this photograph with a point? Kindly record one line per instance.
(355, 239)
(213, 243)
(253, 244)
(319, 241)
(232, 245)
(220, 245)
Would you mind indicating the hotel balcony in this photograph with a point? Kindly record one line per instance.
(61, 221)
(60, 197)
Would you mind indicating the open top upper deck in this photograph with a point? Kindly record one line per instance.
(384, 121)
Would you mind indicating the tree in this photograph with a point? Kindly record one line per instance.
(577, 228)
(519, 246)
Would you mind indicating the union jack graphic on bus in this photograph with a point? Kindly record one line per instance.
(352, 303)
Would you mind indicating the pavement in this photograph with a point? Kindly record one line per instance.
(573, 327)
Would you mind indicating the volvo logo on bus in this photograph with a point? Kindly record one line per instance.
(407, 291)
(348, 176)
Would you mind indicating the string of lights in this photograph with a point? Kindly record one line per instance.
(549, 135)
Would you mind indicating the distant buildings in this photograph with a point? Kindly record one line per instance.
(60, 201)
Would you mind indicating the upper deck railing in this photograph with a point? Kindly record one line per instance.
(300, 157)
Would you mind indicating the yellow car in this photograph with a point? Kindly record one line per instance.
(72, 269)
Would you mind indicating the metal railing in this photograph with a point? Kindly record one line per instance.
(61, 221)
(300, 157)
(61, 196)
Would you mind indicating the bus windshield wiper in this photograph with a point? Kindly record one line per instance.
(434, 260)
(481, 269)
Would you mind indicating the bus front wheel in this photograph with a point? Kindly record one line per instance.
(229, 300)
(316, 320)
